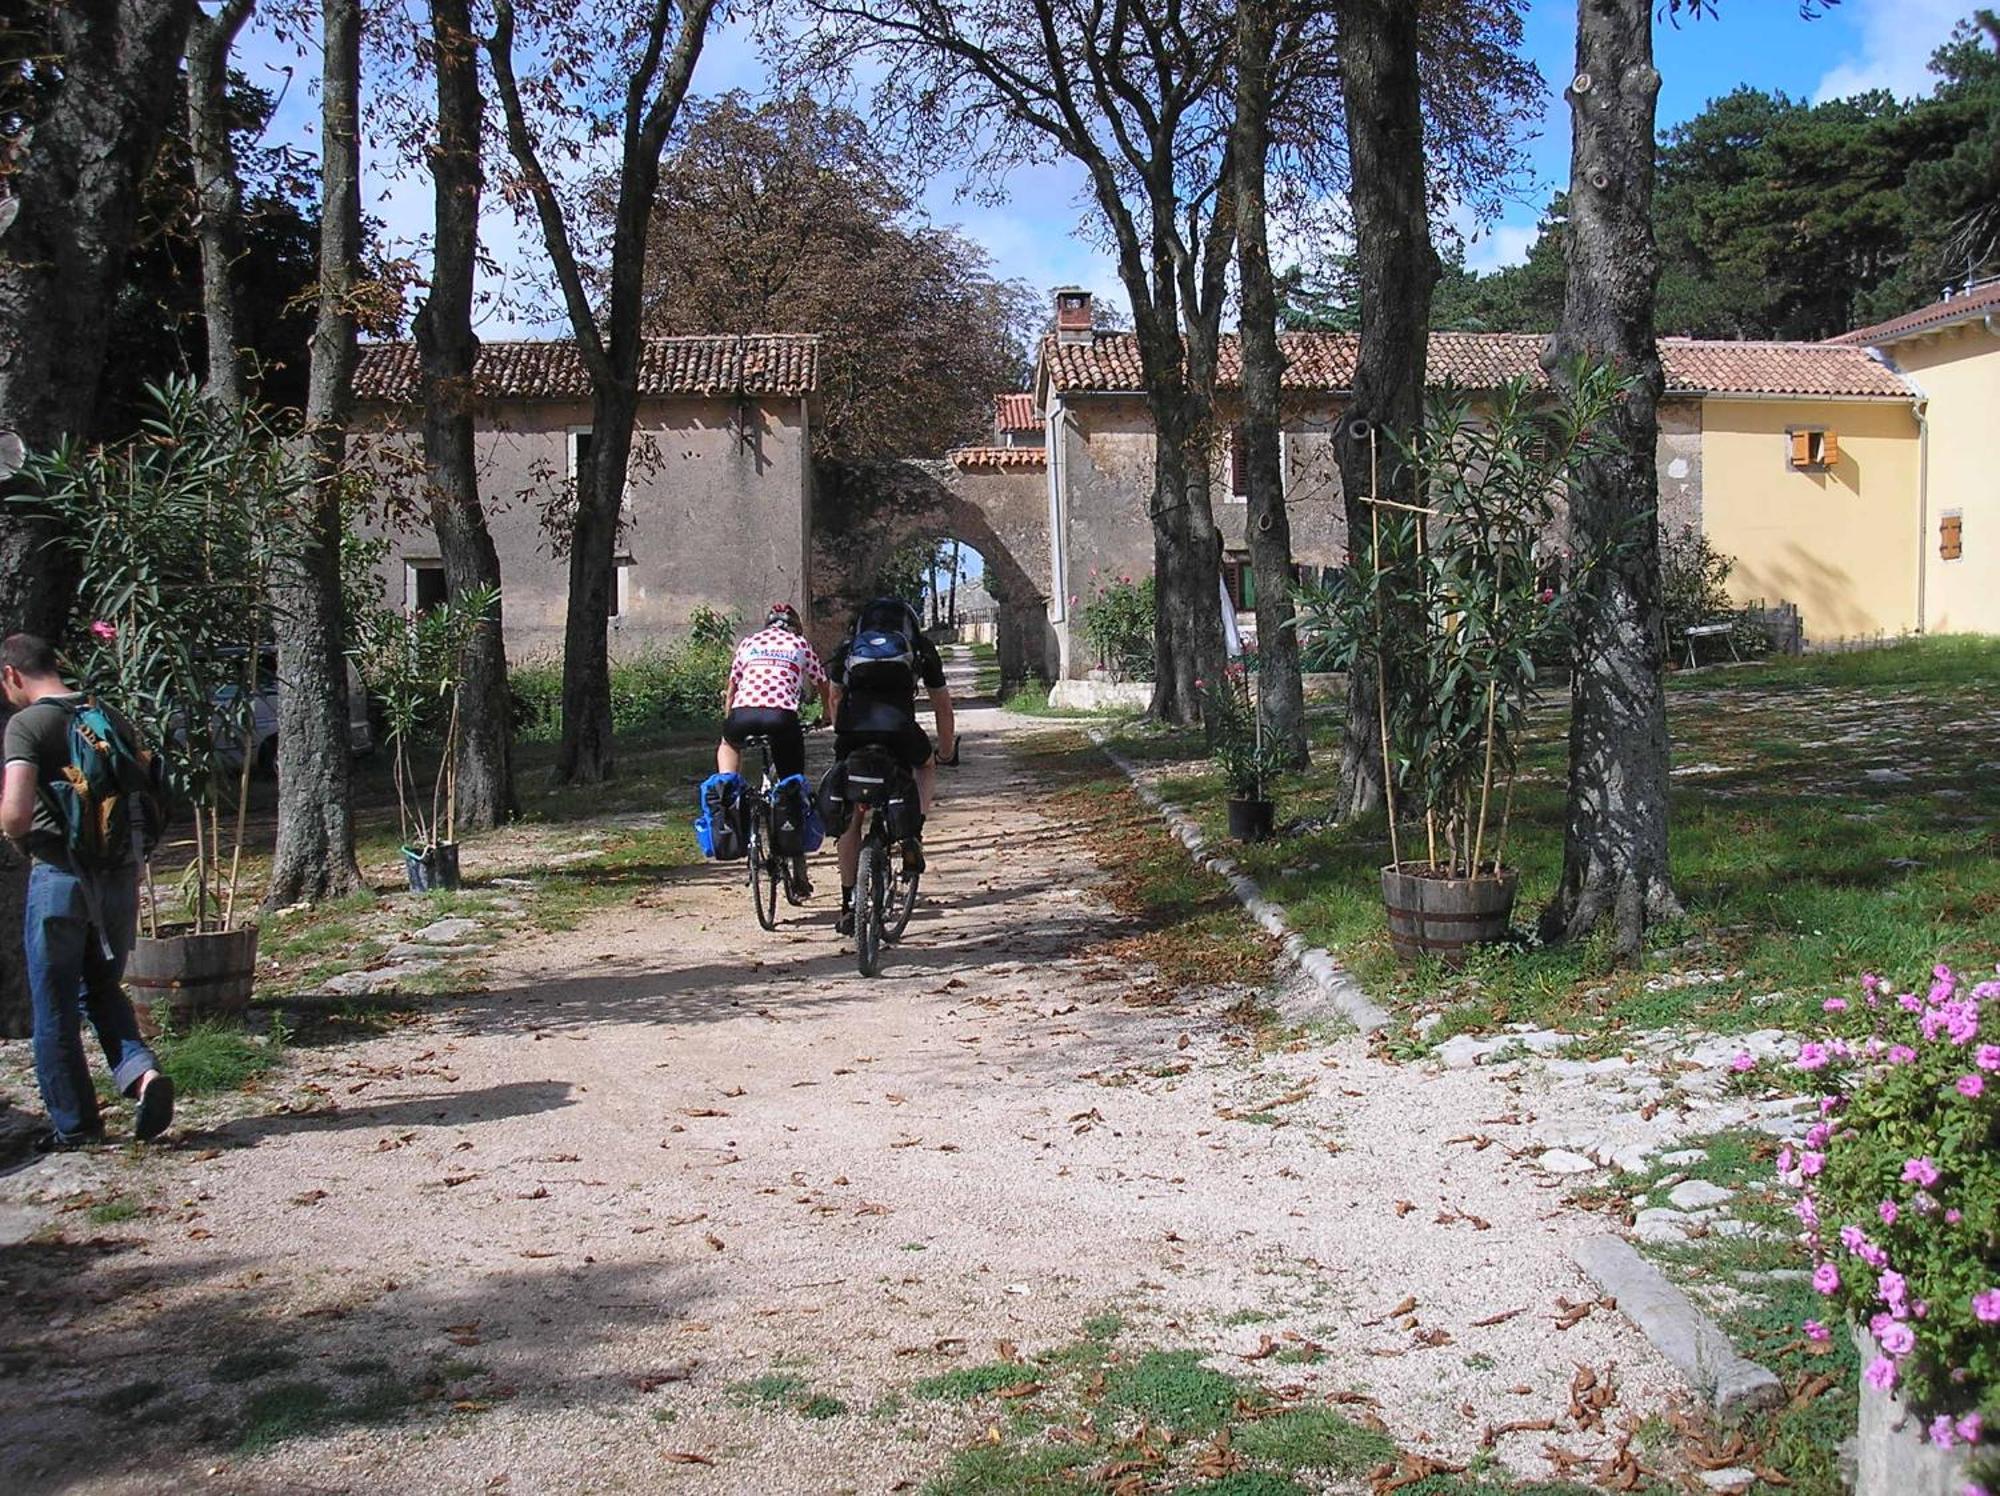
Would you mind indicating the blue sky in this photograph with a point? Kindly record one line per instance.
(1035, 234)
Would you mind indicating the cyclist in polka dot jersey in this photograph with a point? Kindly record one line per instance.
(767, 684)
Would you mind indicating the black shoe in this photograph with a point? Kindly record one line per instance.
(799, 887)
(845, 924)
(913, 857)
(56, 1142)
(156, 1108)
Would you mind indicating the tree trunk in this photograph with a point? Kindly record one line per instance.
(1615, 819)
(1280, 687)
(586, 754)
(1187, 627)
(218, 194)
(1395, 269)
(447, 348)
(315, 854)
(76, 186)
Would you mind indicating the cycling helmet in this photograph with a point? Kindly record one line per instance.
(786, 614)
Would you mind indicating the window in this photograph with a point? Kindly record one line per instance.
(1236, 576)
(621, 587)
(423, 585)
(1239, 467)
(1951, 543)
(1811, 448)
(579, 451)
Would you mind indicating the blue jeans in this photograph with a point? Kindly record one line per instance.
(70, 975)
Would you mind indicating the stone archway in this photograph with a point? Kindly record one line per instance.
(863, 512)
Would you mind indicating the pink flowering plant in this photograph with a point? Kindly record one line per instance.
(1898, 1186)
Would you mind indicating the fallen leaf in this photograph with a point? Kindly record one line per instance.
(684, 1457)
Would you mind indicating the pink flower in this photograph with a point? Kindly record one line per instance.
(99, 629)
(1742, 1061)
(1894, 1289)
(1806, 1211)
(1887, 1210)
(1909, 1002)
(1942, 1433)
(1813, 1056)
(1902, 1054)
(1811, 1163)
(1970, 1085)
(1817, 1332)
(1987, 1057)
(1881, 1374)
(1952, 1218)
(1899, 1340)
(1548, 595)
(1785, 1159)
(1970, 1427)
(1852, 1238)
(1834, 1005)
(1986, 1306)
(1920, 1171)
(1826, 1279)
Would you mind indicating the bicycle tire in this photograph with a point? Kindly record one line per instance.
(764, 871)
(902, 899)
(868, 896)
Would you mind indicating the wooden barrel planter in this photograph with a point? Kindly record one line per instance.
(184, 978)
(1446, 917)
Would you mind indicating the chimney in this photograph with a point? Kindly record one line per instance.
(1074, 318)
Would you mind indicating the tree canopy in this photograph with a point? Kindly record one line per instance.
(787, 217)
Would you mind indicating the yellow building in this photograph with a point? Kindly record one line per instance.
(1949, 355)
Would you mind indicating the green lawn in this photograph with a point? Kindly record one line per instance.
(1799, 871)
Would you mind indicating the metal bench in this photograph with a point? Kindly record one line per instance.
(1709, 631)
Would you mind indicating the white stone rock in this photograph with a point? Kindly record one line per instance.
(446, 931)
(1562, 1161)
(1698, 1194)
(1685, 1158)
(1886, 776)
(1730, 1482)
(1463, 1051)
(1659, 1225)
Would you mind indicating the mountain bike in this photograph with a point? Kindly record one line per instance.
(885, 883)
(769, 870)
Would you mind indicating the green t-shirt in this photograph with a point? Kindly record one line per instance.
(39, 735)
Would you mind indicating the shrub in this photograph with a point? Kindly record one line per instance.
(1118, 623)
(1248, 766)
(708, 625)
(671, 688)
(1694, 589)
(1899, 1191)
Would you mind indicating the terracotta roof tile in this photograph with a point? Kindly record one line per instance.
(759, 364)
(1016, 412)
(1325, 362)
(998, 457)
(1984, 301)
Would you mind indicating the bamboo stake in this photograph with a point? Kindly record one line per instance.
(215, 848)
(1506, 814)
(1381, 673)
(1430, 811)
(152, 902)
(1492, 699)
(242, 793)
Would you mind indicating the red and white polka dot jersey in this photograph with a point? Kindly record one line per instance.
(771, 670)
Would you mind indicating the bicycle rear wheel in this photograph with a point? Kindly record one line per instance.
(765, 872)
(902, 897)
(869, 893)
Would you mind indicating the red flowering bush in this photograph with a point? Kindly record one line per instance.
(1899, 1192)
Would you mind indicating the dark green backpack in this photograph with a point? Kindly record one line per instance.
(110, 799)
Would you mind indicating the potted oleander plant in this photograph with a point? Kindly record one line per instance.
(177, 537)
(1451, 602)
(1250, 764)
(414, 665)
(1898, 1183)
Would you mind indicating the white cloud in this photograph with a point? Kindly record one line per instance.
(1500, 245)
(1894, 40)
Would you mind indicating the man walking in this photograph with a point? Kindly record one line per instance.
(81, 922)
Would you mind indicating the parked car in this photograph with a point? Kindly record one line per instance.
(264, 710)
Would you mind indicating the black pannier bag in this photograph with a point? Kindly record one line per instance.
(723, 824)
(796, 827)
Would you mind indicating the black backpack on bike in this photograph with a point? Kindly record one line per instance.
(882, 653)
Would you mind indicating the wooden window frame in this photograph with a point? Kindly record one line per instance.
(1951, 535)
(1812, 449)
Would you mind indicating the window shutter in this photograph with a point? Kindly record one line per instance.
(1801, 449)
(1950, 543)
(1239, 464)
(1829, 449)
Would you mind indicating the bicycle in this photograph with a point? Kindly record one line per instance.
(768, 869)
(885, 882)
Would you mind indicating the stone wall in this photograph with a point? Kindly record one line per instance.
(718, 512)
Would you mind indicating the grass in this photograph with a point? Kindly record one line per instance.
(1031, 699)
(214, 1058)
(1314, 1439)
(110, 1212)
(970, 1382)
(778, 1389)
(255, 1362)
(1797, 872)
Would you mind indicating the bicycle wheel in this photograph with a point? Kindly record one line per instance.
(868, 896)
(902, 898)
(764, 870)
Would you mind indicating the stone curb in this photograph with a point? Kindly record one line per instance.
(1679, 1331)
(1334, 981)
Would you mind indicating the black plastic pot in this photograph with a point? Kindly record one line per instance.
(433, 868)
(1250, 820)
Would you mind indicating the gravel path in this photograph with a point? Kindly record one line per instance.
(666, 1155)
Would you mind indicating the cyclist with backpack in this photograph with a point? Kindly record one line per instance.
(81, 794)
(767, 685)
(875, 676)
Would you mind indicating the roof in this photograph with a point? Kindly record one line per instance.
(1324, 361)
(1016, 412)
(1981, 301)
(756, 364)
(998, 457)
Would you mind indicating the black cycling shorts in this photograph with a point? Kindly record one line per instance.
(909, 742)
(788, 739)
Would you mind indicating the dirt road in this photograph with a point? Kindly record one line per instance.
(677, 1205)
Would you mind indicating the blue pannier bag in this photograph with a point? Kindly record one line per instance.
(796, 828)
(719, 825)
